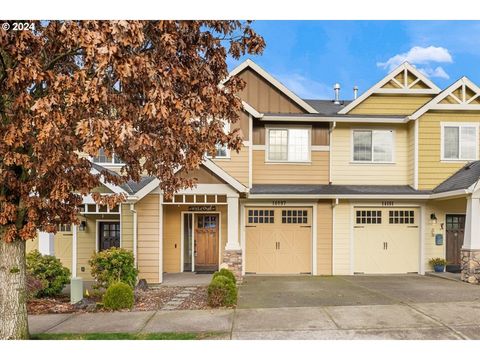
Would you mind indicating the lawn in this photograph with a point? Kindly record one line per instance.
(125, 336)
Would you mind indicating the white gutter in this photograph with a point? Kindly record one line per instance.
(132, 209)
(339, 196)
(317, 118)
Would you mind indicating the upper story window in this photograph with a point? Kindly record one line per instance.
(373, 146)
(459, 142)
(288, 144)
(101, 158)
(222, 150)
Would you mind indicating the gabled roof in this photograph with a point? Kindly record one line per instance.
(463, 94)
(277, 84)
(405, 79)
(463, 179)
(251, 110)
(327, 107)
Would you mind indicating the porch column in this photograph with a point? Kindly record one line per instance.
(46, 245)
(470, 255)
(232, 255)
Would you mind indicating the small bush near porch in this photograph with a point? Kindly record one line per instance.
(222, 291)
(113, 265)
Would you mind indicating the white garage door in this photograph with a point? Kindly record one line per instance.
(386, 241)
(278, 241)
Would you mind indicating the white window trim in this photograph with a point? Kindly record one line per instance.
(227, 156)
(394, 141)
(459, 125)
(267, 144)
(106, 164)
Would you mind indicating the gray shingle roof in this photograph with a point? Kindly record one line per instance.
(131, 187)
(327, 107)
(462, 179)
(287, 189)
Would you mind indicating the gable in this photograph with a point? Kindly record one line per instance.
(203, 176)
(379, 104)
(404, 82)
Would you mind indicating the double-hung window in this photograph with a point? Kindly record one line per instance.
(288, 144)
(102, 158)
(222, 150)
(459, 142)
(373, 146)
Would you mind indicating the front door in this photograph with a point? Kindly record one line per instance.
(206, 242)
(109, 235)
(454, 241)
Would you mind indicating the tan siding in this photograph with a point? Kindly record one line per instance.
(320, 132)
(431, 170)
(237, 165)
(342, 239)
(264, 97)
(315, 172)
(390, 105)
(411, 153)
(203, 176)
(148, 237)
(324, 238)
(63, 248)
(127, 227)
(31, 245)
(346, 172)
(243, 125)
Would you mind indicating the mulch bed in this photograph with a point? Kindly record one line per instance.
(151, 299)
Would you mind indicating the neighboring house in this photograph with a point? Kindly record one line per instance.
(380, 184)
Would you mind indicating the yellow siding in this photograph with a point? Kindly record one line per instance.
(324, 238)
(431, 170)
(237, 165)
(63, 242)
(342, 239)
(390, 105)
(346, 172)
(172, 232)
(31, 245)
(126, 231)
(411, 153)
(315, 172)
(441, 209)
(148, 237)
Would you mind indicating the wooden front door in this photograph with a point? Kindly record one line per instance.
(455, 229)
(206, 242)
(109, 235)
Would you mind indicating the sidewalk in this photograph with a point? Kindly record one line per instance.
(459, 320)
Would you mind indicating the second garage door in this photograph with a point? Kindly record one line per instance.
(386, 240)
(278, 241)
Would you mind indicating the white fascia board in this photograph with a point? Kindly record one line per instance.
(449, 194)
(115, 188)
(147, 189)
(337, 196)
(336, 119)
(249, 63)
(251, 110)
(375, 88)
(237, 185)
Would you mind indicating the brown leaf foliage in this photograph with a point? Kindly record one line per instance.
(146, 90)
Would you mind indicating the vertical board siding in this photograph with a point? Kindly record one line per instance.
(346, 172)
(315, 172)
(411, 153)
(127, 227)
(390, 105)
(431, 170)
(148, 217)
(237, 165)
(324, 238)
(343, 233)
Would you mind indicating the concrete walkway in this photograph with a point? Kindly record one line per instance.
(452, 320)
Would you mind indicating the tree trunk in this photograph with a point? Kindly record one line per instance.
(13, 293)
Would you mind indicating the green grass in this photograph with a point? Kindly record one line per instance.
(125, 336)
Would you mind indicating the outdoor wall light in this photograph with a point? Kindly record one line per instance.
(433, 218)
(82, 226)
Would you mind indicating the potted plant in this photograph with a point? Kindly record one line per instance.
(438, 264)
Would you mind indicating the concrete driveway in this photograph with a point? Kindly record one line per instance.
(310, 291)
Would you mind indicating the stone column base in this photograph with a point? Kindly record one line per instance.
(470, 262)
(232, 260)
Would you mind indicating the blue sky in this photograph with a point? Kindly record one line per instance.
(310, 56)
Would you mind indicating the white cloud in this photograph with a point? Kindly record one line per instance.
(438, 72)
(304, 87)
(421, 56)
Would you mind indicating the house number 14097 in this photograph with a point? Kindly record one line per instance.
(279, 202)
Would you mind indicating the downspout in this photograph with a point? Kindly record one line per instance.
(132, 209)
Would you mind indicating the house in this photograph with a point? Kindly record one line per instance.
(376, 185)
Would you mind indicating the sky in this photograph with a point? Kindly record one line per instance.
(309, 57)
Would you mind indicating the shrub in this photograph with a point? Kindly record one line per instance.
(34, 286)
(118, 296)
(113, 265)
(49, 271)
(222, 291)
(225, 272)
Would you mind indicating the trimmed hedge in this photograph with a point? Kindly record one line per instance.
(225, 272)
(118, 296)
(49, 271)
(222, 291)
(113, 265)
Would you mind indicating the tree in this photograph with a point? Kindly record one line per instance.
(149, 91)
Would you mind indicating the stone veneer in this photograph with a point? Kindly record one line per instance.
(470, 262)
(233, 260)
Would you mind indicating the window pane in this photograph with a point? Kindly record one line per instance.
(382, 146)
(468, 139)
(221, 150)
(362, 145)
(101, 157)
(298, 145)
(278, 144)
(451, 149)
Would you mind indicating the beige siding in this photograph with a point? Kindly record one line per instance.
(411, 153)
(237, 165)
(390, 105)
(431, 170)
(315, 172)
(324, 238)
(441, 209)
(346, 172)
(342, 239)
(63, 242)
(148, 237)
(31, 245)
(126, 231)
(320, 131)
